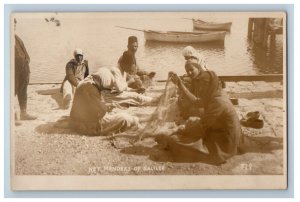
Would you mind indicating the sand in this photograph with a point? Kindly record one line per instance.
(41, 148)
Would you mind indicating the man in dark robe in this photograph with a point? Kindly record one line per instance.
(136, 78)
(219, 128)
(76, 70)
(22, 74)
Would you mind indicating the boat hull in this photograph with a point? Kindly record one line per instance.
(212, 26)
(184, 37)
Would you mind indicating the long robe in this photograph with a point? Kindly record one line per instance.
(22, 72)
(88, 108)
(89, 114)
(220, 123)
(219, 127)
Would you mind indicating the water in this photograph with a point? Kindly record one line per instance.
(51, 47)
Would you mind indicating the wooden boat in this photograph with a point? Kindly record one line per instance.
(200, 24)
(180, 37)
(183, 37)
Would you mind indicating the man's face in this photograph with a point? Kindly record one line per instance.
(192, 71)
(133, 47)
(79, 58)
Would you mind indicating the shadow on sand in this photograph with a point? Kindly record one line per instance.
(60, 126)
(263, 144)
(165, 150)
(168, 151)
(171, 151)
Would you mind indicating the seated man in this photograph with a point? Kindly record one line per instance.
(186, 109)
(219, 128)
(128, 72)
(89, 113)
(76, 70)
(136, 78)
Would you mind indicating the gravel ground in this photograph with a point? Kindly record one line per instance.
(41, 148)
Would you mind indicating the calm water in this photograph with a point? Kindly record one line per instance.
(51, 47)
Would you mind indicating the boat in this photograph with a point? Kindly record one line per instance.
(180, 37)
(200, 24)
(183, 37)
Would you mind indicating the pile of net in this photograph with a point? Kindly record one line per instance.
(166, 114)
(163, 120)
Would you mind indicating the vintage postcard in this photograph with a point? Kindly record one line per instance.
(148, 100)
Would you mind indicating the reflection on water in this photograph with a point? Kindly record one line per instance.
(51, 47)
(213, 46)
(165, 57)
(268, 60)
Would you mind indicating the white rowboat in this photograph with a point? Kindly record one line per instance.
(183, 37)
(180, 37)
(199, 24)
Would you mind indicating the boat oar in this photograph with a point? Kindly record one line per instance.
(197, 20)
(131, 28)
(189, 18)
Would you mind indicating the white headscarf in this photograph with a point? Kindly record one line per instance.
(77, 51)
(189, 51)
(104, 78)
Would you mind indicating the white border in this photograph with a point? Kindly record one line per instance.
(296, 70)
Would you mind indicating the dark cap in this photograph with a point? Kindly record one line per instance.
(132, 39)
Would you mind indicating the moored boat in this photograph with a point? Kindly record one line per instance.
(200, 24)
(184, 37)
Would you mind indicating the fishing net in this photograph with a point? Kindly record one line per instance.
(166, 114)
(163, 120)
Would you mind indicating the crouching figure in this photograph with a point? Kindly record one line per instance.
(218, 129)
(90, 113)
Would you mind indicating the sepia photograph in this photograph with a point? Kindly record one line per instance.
(148, 100)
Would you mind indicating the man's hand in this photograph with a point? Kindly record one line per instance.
(113, 105)
(109, 106)
(174, 77)
(127, 103)
(151, 75)
(141, 90)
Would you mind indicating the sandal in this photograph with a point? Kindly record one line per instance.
(252, 123)
(254, 114)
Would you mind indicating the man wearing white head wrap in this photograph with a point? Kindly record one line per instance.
(190, 53)
(76, 70)
(115, 88)
(89, 113)
(104, 78)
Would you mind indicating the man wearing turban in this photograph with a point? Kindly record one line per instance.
(90, 112)
(189, 53)
(76, 70)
